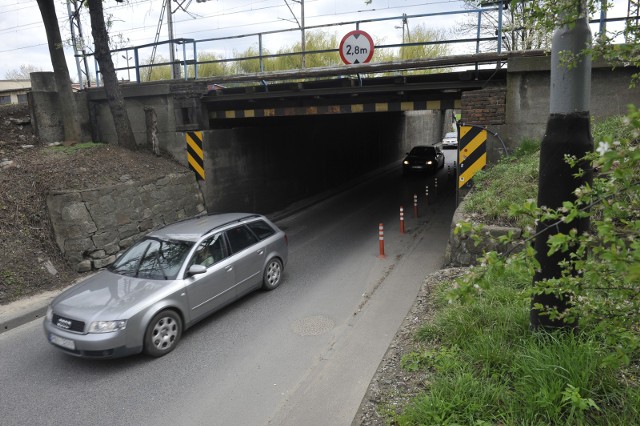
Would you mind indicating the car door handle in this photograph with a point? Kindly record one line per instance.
(260, 252)
(229, 268)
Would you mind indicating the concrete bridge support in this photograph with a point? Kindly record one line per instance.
(261, 164)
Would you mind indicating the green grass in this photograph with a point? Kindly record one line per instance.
(486, 367)
(9, 279)
(515, 178)
(612, 128)
(77, 147)
(512, 181)
(489, 368)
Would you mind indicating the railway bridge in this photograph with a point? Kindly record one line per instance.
(261, 141)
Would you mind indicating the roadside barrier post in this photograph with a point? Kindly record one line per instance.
(415, 206)
(381, 239)
(456, 174)
(401, 220)
(426, 199)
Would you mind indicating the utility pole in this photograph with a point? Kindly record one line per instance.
(78, 42)
(175, 68)
(568, 133)
(303, 42)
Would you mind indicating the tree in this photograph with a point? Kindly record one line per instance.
(66, 100)
(627, 52)
(620, 46)
(155, 72)
(211, 69)
(21, 73)
(248, 66)
(429, 49)
(325, 47)
(314, 41)
(520, 29)
(568, 136)
(110, 79)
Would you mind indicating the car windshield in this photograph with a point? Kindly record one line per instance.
(422, 151)
(451, 135)
(153, 258)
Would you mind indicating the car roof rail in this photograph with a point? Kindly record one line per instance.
(239, 220)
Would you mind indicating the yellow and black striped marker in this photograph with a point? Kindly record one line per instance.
(435, 105)
(195, 155)
(472, 153)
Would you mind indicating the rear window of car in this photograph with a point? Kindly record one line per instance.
(423, 150)
(451, 135)
(262, 229)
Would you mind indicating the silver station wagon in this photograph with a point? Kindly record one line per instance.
(165, 283)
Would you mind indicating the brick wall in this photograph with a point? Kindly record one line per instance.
(484, 107)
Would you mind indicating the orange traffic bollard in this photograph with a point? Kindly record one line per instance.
(381, 238)
(401, 220)
(426, 200)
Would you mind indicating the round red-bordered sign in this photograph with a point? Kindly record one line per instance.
(356, 47)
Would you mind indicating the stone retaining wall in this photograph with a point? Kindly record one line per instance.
(463, 251)
(92, 226)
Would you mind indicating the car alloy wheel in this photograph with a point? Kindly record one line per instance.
(272, 274)
(163, 333)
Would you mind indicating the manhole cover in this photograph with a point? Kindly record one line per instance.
(312, 326)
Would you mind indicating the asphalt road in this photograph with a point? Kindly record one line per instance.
(301, 355)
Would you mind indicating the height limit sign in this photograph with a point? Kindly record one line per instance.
(356, 48)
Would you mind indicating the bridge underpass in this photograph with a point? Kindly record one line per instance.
(269, 145)
(266, 164)
(376, 97)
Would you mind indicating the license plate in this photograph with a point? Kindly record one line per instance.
(61, 341)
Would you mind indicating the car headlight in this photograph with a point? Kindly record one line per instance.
(405, 162)
(429, 162)
(107, 326)
(49, 315)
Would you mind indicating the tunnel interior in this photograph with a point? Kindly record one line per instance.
(266, 164)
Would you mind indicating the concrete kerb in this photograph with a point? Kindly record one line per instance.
(22, 311)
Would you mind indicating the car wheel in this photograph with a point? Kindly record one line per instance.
(163, 333)
(272, 274)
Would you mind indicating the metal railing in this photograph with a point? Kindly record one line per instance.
(189, 63)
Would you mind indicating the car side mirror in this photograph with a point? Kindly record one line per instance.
(197, 269)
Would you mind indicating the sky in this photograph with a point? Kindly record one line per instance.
(136, 22)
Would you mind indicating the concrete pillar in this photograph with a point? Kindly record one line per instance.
(43, 101)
